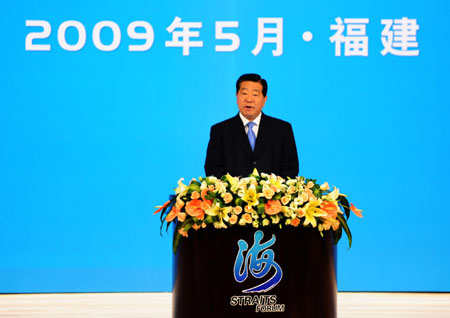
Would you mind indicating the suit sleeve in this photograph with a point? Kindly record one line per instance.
(290, 157)
(214, 158)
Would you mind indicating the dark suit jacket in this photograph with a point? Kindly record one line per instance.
(229, 150)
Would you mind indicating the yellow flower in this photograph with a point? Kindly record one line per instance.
(182, 188)
(275, 219)
(299, 201)
(276, 183)
(291, 189)
(221, 213)
(268, 193)
(233, 181)
(325, 186)
(219, 225)
(312, 210)
(265, 222)
(304, 197)
(247, 217)
(285, 199)
(234, 188)
(227, 197)
(332, 196)
(181, 216)
(250, 196)
(248, 209)
(220, 187)
(330, 222)
(291, 182)
(300, 212)
(287, 212)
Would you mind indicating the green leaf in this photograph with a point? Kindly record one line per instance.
(162, 215)
(346, 229)
(337, 235)
(195, 183)
(210, 195)
(344, 203)
(260, 208)
(209, 219)
(194, 186)
(176, 241)
(316, 191)
(187, 224)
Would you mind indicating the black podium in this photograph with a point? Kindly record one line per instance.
(247, 272)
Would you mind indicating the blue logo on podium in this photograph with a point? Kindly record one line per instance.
(259, 260)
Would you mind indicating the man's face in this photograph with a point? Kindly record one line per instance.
(250, 99)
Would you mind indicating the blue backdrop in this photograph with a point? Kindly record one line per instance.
(93, 135)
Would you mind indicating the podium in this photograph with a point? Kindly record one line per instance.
(247, 272)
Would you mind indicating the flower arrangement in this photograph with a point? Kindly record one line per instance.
(258, 200)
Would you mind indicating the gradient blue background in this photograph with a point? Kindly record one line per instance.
(91, 141)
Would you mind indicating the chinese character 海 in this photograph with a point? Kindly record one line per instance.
(258, 261)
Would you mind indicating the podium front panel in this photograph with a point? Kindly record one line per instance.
(247, 272)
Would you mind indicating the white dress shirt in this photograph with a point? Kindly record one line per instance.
(255, 127)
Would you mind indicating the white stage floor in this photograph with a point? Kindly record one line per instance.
(159, 305)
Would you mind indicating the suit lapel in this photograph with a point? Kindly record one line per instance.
(263, 134)
(238, 131)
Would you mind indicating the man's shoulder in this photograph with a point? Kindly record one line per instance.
(275, 121)
(236, 121)
(227, 122)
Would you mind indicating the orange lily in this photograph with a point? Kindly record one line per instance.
(355, 210)
(172, 214)
(330, 208)
(161, 207)
(183, 232)
(272, 207)
(195, 209)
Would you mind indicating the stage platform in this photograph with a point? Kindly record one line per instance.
(159, 305)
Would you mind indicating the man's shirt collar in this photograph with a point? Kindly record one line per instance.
(257, 120)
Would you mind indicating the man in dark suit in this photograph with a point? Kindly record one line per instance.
(251, 139)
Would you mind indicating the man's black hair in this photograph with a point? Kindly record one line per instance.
(252, 78)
